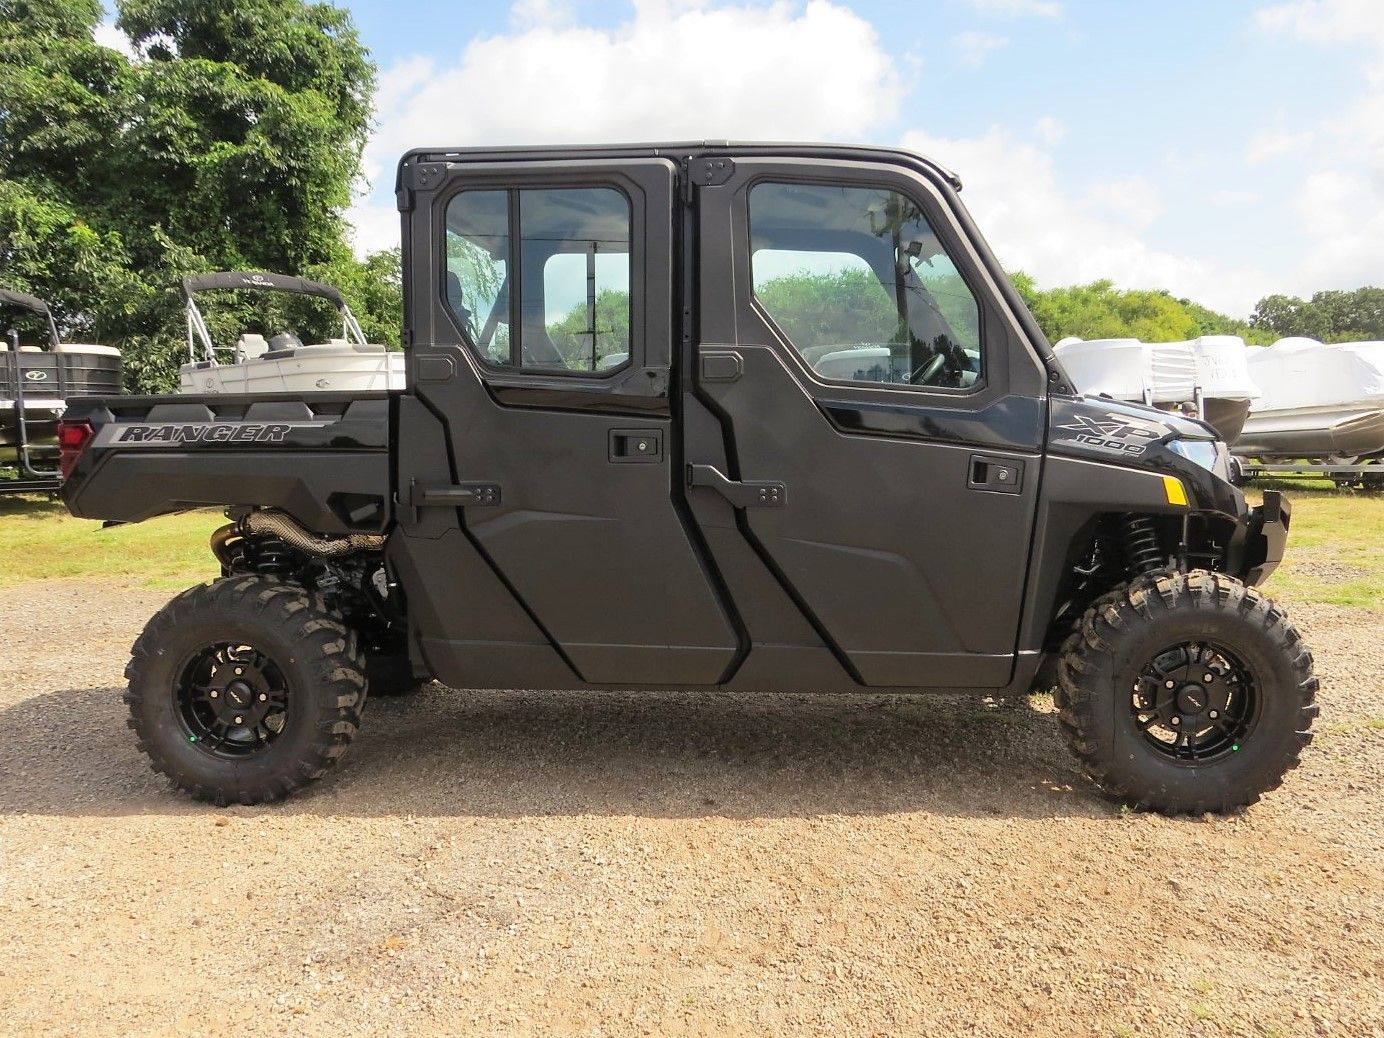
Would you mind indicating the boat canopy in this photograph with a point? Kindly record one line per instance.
(243, 279)
(34, 305)
(253, 346)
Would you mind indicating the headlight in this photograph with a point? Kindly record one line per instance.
(1199, 452)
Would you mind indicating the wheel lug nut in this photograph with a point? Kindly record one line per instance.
(1176, 721)
(1214, 714)
(214, 693)
(1208, 678)
(1170, 684)
(262, 697)
(238, 720)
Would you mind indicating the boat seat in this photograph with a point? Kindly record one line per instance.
(251, 346)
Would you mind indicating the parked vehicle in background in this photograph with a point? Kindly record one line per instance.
(1322, 412)
(282, 363)
(642, 445)
(36, 381)
(1206, 377)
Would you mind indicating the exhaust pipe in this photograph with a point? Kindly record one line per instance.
(278, 524)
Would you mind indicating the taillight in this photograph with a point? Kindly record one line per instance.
(72, 440)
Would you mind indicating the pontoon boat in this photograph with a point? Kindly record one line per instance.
(35, 383)
(282, 364)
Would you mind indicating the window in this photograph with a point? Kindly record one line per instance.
(478, 270)
(860, 285)
(571, 285)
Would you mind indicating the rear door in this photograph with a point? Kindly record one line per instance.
(541, 300)
(865, 416)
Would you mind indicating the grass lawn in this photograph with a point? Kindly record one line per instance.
(38, 540)
(1335, 546)
(1335, 550)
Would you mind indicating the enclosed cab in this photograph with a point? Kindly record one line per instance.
(749, 417)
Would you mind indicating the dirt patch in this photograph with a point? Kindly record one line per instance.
(622, 864)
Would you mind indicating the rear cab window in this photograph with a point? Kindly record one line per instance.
(538, 279)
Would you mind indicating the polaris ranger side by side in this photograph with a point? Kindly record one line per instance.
(749, 417)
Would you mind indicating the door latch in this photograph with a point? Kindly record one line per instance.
(996, 475)
(749, 494)
(636, 445)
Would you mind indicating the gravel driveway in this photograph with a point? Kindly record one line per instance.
(617, 864)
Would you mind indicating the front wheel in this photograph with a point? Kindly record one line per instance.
(245, 690)
(1186, 692)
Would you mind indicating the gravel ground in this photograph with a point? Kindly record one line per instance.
(504, 863)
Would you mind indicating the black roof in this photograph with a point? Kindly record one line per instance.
(684, 149)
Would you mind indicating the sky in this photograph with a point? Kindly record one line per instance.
(1221, 149)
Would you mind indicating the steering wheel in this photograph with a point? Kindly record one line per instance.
(924, 373)
(949, 355)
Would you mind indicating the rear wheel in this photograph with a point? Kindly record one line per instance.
(1186, 692)
(245, 690)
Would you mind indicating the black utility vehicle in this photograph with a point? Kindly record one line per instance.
(738, 416)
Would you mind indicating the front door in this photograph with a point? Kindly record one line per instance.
(864, 422)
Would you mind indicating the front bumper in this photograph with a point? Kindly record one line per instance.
(1265, 536)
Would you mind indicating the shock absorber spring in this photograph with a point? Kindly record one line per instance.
(267, 556)
(1140, 536)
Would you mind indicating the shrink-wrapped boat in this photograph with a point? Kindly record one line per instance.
(1206, 376)
(1320, 402)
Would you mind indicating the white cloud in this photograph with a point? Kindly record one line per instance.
(1132, 200)
(1036, 224)
(1268, 144)
(972, 48)
(1326, 21)
(1230, 196)
(781, 71)
(1049, 131)
(107, 35)
(529, 13)
(1015, 8)
(1340, 206)
(374, 226)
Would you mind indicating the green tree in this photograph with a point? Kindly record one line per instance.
(232, 142)
(1331, 316)
(838, 308)
(248, 126)
(573, 334)
(1099, 310)
(374, 288)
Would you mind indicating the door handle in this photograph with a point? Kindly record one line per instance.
(996, 475)
(749, 494)
(457, 495)
(636, 445)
